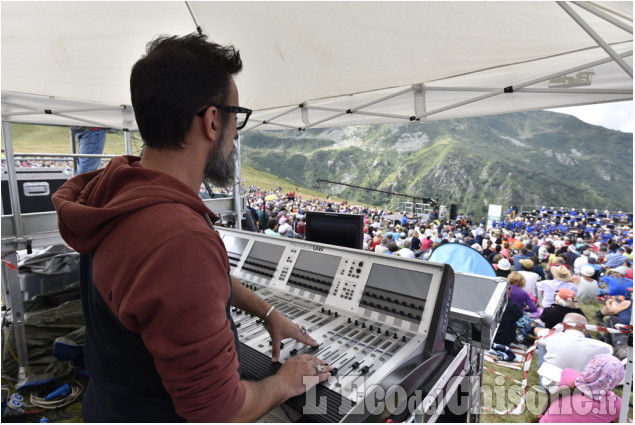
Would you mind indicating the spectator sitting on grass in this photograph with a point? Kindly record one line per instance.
(587, 286)
(564, 304)
(518, 295)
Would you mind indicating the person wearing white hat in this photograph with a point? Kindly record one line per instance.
(587, 286)
(502, 267)
(547, 288)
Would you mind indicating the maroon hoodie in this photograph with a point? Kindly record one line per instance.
(163, 272)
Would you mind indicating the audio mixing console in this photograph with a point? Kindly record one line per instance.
(375, 317)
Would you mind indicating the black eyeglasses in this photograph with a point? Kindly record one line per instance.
(242, 114)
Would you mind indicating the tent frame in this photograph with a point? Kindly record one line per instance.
(23, 230)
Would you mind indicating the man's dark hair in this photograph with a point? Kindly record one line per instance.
(177, 77)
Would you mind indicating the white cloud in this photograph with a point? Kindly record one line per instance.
(616, 116)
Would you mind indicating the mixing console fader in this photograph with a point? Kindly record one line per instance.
(375, 317)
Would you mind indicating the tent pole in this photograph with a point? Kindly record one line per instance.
(237, 183)
(608, 18)
(13, 296)
(73, 149)
(128, 140)
(595, 36)
(419, 99)
(14, 193)
(10, 278)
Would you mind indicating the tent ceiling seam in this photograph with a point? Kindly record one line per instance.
(518, 86)
(595, 36)
(613, 12)
(557, 55)
(601, 14)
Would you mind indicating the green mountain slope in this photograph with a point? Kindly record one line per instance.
(529, 158)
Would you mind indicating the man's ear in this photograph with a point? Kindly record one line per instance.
(212, 125)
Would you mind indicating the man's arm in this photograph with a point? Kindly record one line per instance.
(244, 299)
(278, 326)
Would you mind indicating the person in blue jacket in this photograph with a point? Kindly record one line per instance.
(616, 284)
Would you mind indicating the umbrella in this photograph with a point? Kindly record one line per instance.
(270, 197)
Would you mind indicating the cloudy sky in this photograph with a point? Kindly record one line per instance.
(616, 116)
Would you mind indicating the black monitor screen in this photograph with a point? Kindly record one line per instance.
(345, 230)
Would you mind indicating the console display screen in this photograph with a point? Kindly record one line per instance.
(266, 252)
(410, 283)
(396, 292)
(263, 259)
(314, 271)
(235, 246)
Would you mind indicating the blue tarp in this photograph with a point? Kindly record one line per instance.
(462, 258)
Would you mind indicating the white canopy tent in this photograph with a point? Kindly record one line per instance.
(314, 64)
(317, 64)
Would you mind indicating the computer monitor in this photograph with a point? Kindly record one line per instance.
(345, 230)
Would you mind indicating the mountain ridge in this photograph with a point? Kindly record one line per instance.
(526, 158)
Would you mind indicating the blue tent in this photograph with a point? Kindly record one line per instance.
(463, 258)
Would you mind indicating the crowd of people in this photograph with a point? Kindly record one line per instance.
(554, 260)
(24, 163)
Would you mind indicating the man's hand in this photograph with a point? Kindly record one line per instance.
(295, 369)
(262, 396)
(279, 328)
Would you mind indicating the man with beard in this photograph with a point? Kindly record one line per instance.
(160, 343)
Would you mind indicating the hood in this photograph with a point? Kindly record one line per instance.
(89, 205)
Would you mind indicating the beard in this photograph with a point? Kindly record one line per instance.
(221, 165)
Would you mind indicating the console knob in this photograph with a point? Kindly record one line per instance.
(394, 336)
(349, 320)
(371, 328)
(356, 322)
(363, 324)
(387, 333)
(403, 338)
(361, 263)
